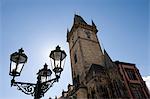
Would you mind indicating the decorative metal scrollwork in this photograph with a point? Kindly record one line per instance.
(45, 86)
(25, 87)
(32, 89)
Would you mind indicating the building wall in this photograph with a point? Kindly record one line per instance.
(95, 75)
(133, 81)
(84, 47)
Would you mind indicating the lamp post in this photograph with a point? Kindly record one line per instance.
(44, 81)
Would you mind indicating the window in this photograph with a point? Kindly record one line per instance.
(88, 35)
(131, 74)
(72, 39)
(117, 88)
(75, 57)
(137, 93)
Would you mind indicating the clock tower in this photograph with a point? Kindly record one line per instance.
(84, 46)
(95, 75)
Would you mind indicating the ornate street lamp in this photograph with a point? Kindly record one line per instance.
(17, 61)
(44, 81)
(57, 57)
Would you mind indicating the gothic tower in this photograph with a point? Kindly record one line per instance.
(88, 62)
(84, 47)
(94, 74)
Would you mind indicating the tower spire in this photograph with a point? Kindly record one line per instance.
(67, 30)
(93, 24)
(78, 19)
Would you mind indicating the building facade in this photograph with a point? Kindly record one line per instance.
(94, 74)
(133, 81)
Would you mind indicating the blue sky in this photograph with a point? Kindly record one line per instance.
(40, 25)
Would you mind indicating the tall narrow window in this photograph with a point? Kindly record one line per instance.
(137, 93)
(131, 74)
(117, 88)
(75, 57)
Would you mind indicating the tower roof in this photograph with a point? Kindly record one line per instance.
(79, 22)
(78, 19)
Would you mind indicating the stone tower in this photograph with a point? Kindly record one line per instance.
(84, 47)
(87, 60)
(94, 74)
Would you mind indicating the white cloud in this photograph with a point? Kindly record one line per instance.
(147, 80)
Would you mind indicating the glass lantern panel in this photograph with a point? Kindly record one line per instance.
(16, 69)
(44, 74)
(19, 67)
(13, 69)
(57, 64)
(44, 79)
(63, 55)
(22, 59)
(52, 63)
(57, 56)
(63, 63)
(13, 66)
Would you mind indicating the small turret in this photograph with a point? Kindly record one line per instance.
(67, 30)
(93, 24)
(78, 19)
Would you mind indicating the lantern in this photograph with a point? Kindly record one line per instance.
(17, 61)
(44, 74)
(57, 57)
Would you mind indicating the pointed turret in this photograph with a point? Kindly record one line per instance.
(78, 19)
(93, 24)
(108, 61)
(67, 30)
